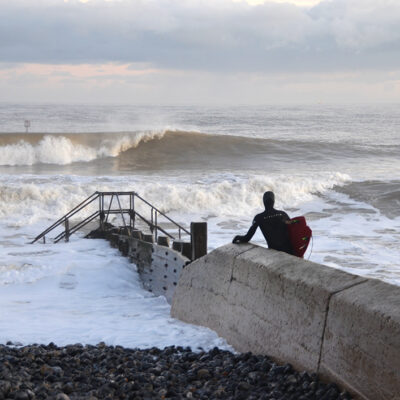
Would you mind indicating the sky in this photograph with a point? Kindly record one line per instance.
(200, 51)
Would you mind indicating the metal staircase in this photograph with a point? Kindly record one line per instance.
(110, 203)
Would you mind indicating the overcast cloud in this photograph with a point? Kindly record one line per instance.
(214, 35)
(200, 51)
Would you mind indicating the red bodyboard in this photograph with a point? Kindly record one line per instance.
(299, 235)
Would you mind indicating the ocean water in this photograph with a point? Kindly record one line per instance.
(337, 165)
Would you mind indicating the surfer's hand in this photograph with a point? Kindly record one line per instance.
(237, 239)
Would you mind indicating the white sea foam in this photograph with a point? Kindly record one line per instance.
(86, 292)
(29, 199)
(63, 150)
(50, 150)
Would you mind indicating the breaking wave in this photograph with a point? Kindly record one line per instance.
(28, 199)
(150, 149)
(62, 149)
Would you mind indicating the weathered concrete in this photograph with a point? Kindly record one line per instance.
(163, 241)
(271, 303)
(161, 274)
(361, 348)
(159, 266)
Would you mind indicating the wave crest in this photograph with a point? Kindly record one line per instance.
(68, 148)
(32, 199)
(174, 149)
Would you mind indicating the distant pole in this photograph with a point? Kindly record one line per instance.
(27, 125)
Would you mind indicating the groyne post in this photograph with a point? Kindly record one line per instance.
(198, 232)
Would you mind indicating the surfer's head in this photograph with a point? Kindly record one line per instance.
(269, 200)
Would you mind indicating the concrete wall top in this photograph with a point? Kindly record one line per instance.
(295, 311)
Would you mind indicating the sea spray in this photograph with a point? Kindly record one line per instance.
(62, 149)
(30, 198)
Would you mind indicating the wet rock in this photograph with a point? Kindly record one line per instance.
(5, 387)
(68, 387)
(108, 372)
(203, 373)
(62, 396)
(253, 376)
(22, 395)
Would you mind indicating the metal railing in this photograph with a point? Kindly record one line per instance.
(128, 216)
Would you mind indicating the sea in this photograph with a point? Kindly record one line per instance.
(338, 165)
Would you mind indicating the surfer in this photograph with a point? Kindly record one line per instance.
(272, 223)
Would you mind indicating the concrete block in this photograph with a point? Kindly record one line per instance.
(261, 301)
(144, 253)
(163, 241)
(213, 272)
(164, 271)
(136, 234)
(177, 245)
(198, 299)
(159, 267)
(148, 238)
(361, 348)
(320, 319)
(289, 298)
(187, 250)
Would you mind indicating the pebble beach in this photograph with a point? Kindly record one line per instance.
(114, 372)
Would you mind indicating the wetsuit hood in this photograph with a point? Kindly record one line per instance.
(269, 200)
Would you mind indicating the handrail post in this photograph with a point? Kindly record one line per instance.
(67, 230)
(155, 222)
(109, 207)
(104, 212)
(101, 213)
(102, 216)
(132, 210)
(122, 215)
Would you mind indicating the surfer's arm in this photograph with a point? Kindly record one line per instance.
(248, 235)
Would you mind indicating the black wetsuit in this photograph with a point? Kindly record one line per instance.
(272, 223)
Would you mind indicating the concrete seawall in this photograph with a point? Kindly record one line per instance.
(345, 327)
